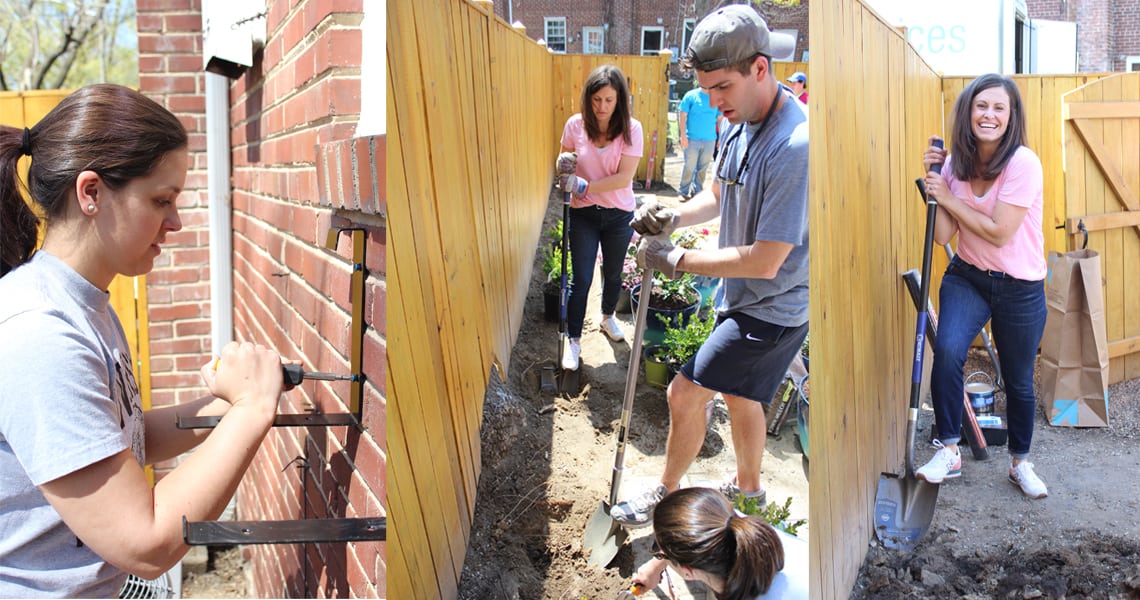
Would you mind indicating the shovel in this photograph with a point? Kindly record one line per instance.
(904, 506)
(554, 377)
(604, 536)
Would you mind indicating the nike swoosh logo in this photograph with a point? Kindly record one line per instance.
(748, 336)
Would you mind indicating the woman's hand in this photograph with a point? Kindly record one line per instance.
(649, 575)
(246, 373)
(936, 186)
(933, 155)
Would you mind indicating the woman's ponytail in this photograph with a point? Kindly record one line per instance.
(18, 224)
(759, 556)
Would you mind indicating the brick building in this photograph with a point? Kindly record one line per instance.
(299, 166)
(636, 26)
(1108, 31)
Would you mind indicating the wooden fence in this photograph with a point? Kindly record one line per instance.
(874, 102)
(128, 294)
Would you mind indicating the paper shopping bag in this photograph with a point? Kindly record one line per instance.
(1074, 347)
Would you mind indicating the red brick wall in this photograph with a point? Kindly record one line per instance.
(297, 171)
(1126, 17)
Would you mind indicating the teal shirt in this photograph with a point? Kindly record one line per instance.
(700, 123)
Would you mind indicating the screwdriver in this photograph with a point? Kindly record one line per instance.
(294, 375)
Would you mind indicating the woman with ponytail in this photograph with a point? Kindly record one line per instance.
(703, 538)
(77, 513)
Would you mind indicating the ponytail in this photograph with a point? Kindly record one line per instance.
(759, 556)
(698, 528)
(18, 224)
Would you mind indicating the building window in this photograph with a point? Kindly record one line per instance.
(1131, 64)
(652, 40)
(593, 40)
(555, 33)
(687, 33)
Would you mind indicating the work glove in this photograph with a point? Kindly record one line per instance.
(567, 163)
(653, 218)
(657, 253)
(573, 184)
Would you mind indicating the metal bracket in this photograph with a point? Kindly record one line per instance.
(307, 531)
(303, 531)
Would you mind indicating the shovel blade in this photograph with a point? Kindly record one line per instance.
(904, 508)
(603, 538)
(549, 379)
(571, 382)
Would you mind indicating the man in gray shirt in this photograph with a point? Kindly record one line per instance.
(760, 195)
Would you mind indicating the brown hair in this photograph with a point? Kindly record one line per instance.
(964, 145)
(698, 528)
(601, 77)
(112, 130)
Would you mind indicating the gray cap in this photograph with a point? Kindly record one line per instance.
(733, 34)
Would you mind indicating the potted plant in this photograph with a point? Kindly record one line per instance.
(671, 302)
(664, 360)
(552, 267)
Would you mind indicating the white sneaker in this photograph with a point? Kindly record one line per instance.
(638, 511)
(570, 356)
(1023, 476)
(946, 464)
(610, 327)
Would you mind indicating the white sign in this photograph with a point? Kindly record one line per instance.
(963, 37)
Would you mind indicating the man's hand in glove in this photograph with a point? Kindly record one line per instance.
(573, 184)
(567, 163)
(659, 254)
(653, 218)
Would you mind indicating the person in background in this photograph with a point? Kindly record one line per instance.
(760, 193)
(738, 557)
(601, 147)
(698, 123)
(990, 194)
(76, 509)
(798, 82)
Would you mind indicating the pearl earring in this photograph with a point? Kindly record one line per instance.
(90, 208)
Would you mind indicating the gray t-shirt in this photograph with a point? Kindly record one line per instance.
(68, 399)
(772, 206)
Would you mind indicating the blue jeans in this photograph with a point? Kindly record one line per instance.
(697, 157)
(1016, 311)
(590, 227)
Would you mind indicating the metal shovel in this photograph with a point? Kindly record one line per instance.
(904, 506)
(554, 377)
(604, 536)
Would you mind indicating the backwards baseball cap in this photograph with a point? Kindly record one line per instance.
(733, 34)
(798, 76)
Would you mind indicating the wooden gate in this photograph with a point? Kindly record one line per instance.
(1102, 180)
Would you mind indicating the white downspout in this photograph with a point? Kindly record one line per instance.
(221, 226)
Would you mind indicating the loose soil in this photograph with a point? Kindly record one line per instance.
(547, 459)
(989, 541)
(547, 462)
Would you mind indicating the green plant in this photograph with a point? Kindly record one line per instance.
(674, 292)
(681, 343)
(773, 514)
(552, 255)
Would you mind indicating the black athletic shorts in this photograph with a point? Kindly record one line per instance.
(745, 357)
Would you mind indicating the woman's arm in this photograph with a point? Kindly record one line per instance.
(110, 506)
(164, 440)
(997, 229)
(649, 575)
(624, 176)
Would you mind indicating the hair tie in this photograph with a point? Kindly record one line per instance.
(26, 143)
(728, 523)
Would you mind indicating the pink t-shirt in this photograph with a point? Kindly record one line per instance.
(1020, 184)
(596, 163)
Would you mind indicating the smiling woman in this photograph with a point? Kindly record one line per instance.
(106, 167)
